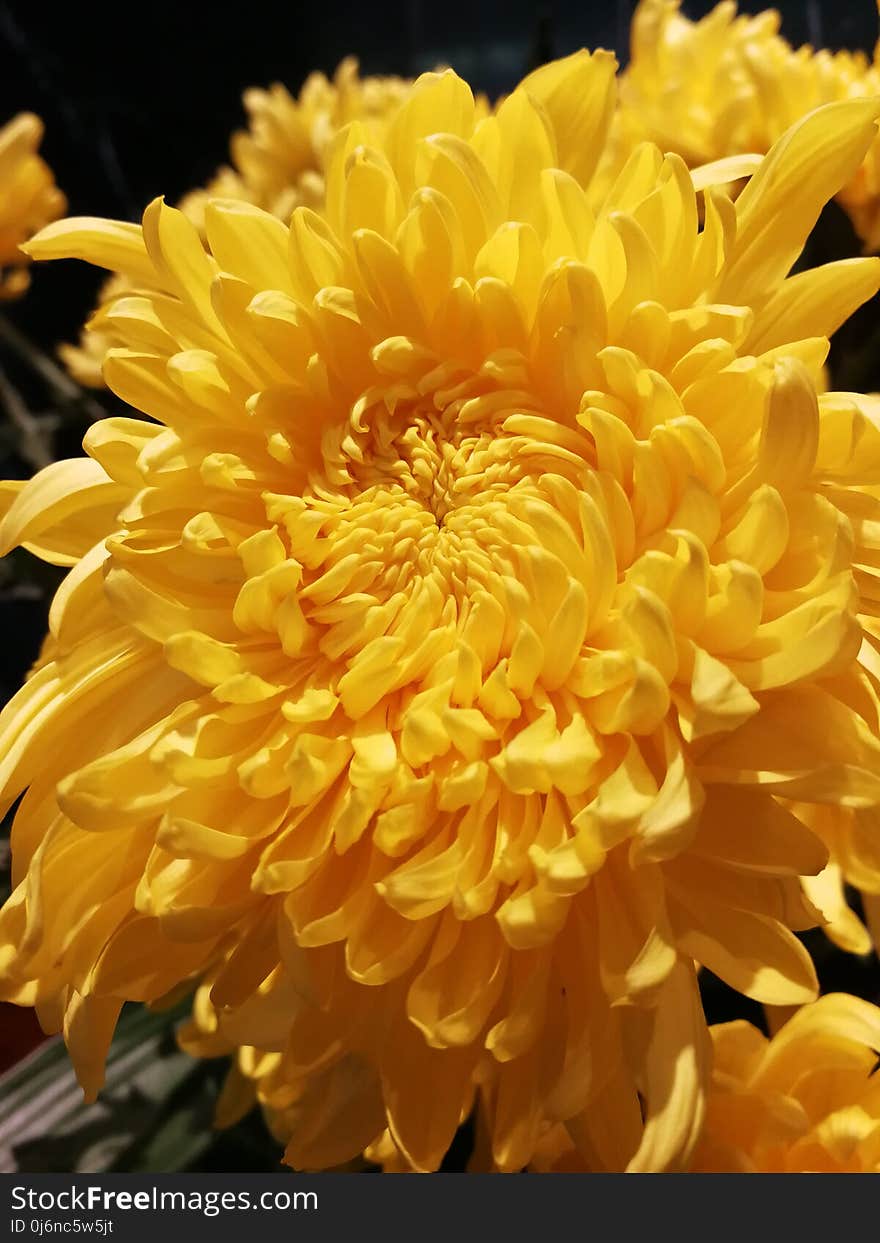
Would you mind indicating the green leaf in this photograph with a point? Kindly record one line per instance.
(154, 1112)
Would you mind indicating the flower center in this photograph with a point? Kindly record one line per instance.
(429, 458)
(466, 529)
(409, 495)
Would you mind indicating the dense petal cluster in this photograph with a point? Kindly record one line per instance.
(29, 198)
(458, 655)
(276, 163)
(729, 84)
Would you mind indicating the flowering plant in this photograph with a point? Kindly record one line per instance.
(470, 633)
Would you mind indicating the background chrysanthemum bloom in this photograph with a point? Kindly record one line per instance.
(29, 198)
(432, 671)
(730, 84)
(278, 160)
(689, 85)
(276, 164)
(805, 1102)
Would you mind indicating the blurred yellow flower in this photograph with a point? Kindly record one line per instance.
(29, 198)
(433, 674)
(729, 84)
(277, 164)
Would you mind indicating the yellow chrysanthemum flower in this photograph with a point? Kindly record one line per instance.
(805, 1102)
(729, 84)
(434, 674)
(277, 164)
(29, 198)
